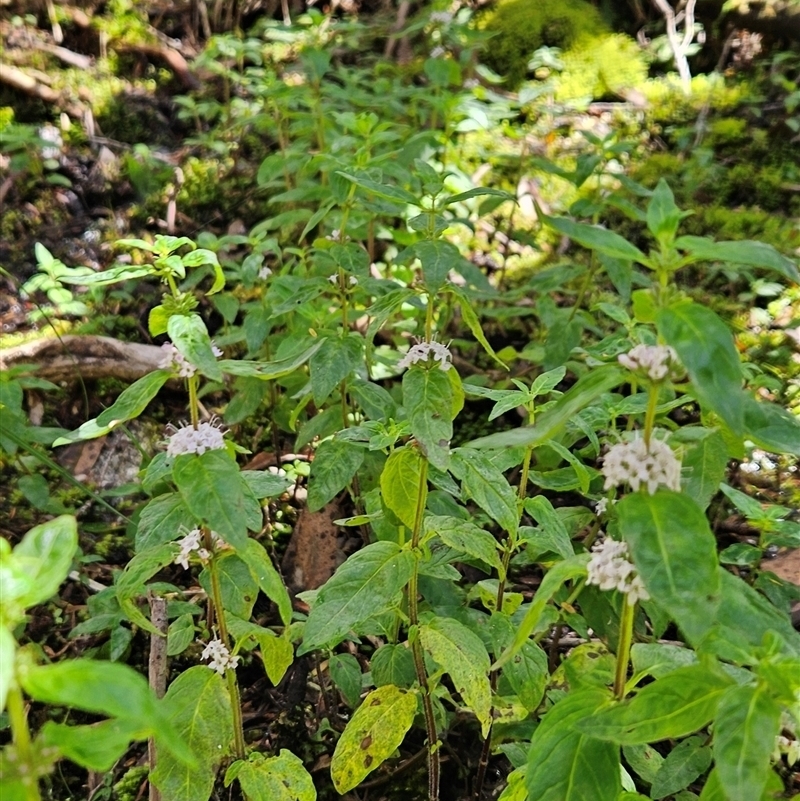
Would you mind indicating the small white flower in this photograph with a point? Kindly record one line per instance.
(334, 235)
(610, 569)
(422, 350)
(334, 279)
(438, 52)
(441, 18)
(601, 506)
(655, 361)
(193, 543)
(352, 280)
(636, 464)
(471, 83)
(173, 359)
(187, 439)
(219, 657)
(264, 273)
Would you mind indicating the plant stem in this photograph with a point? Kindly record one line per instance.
(193, 405)
(650, 414)
(22, 740)
(429, 319)
(624, 648)
(230, 674)
(416, 645)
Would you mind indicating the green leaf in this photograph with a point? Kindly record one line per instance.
(565, 764)
(96, 747)
(771, 427)
(745, 727)
(393, 664)
(268, 578)
(487, 486)
(675, 553)
(210, 486)
(265, 485)
(276, 652)
(479, 191)
(199, 707)
(428, 401)
(746, 252)
(365, 585)
(130, 583)
(134, 399)
(527, 674)
(106, 688)
(706, 348)
(189, 335)
(394, 193)
(595, 237)
(400, 483)
(549, 423)
(122, 272)
(437, 258)
(131, 403)
(335, 463)
(681, 703)
(658, 659)
(663, 216)
(180, 634)
(278, 778)
(574, 567)
(346, 675)
(472, 320)
(686, 762)
(465, 537)
(644, 760)
(333, 362)
(238, 588)
(8, 653)
(162, 520)
(746, 615)
(37, 566)
(703, 467)
(372, 735)
(268, 371)
(461, 654)
(551, 527)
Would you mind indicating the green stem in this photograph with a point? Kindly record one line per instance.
(22, 741)
(230, 675)
(429, 320)
(416, 645)
(193, 403)
(624, 648)
(650, 414)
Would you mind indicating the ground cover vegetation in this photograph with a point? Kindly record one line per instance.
(451, 415)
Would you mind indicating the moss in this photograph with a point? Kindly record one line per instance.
(520, 27)
(726, 131)
(598, 66)
(669, 103)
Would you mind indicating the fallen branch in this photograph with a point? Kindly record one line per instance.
(70, 357)
(26, 83)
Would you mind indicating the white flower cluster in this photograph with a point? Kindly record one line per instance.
(610, 569)
(438, 52)
(264, 273)
(193, 543)
(219, 657)
(422, 350)
(51, 134)
(173, 359)
(783, 745)
(655, 361)
(187, 439)
(441, 17)
(635, 463)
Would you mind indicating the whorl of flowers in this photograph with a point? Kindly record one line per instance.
(422, 350)
(654, 361)
(610, 569)
(441, 17)
(636, 463)
(173, 359)
(264, 273)
(187, 439)
(219, 657)
(192, 543)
